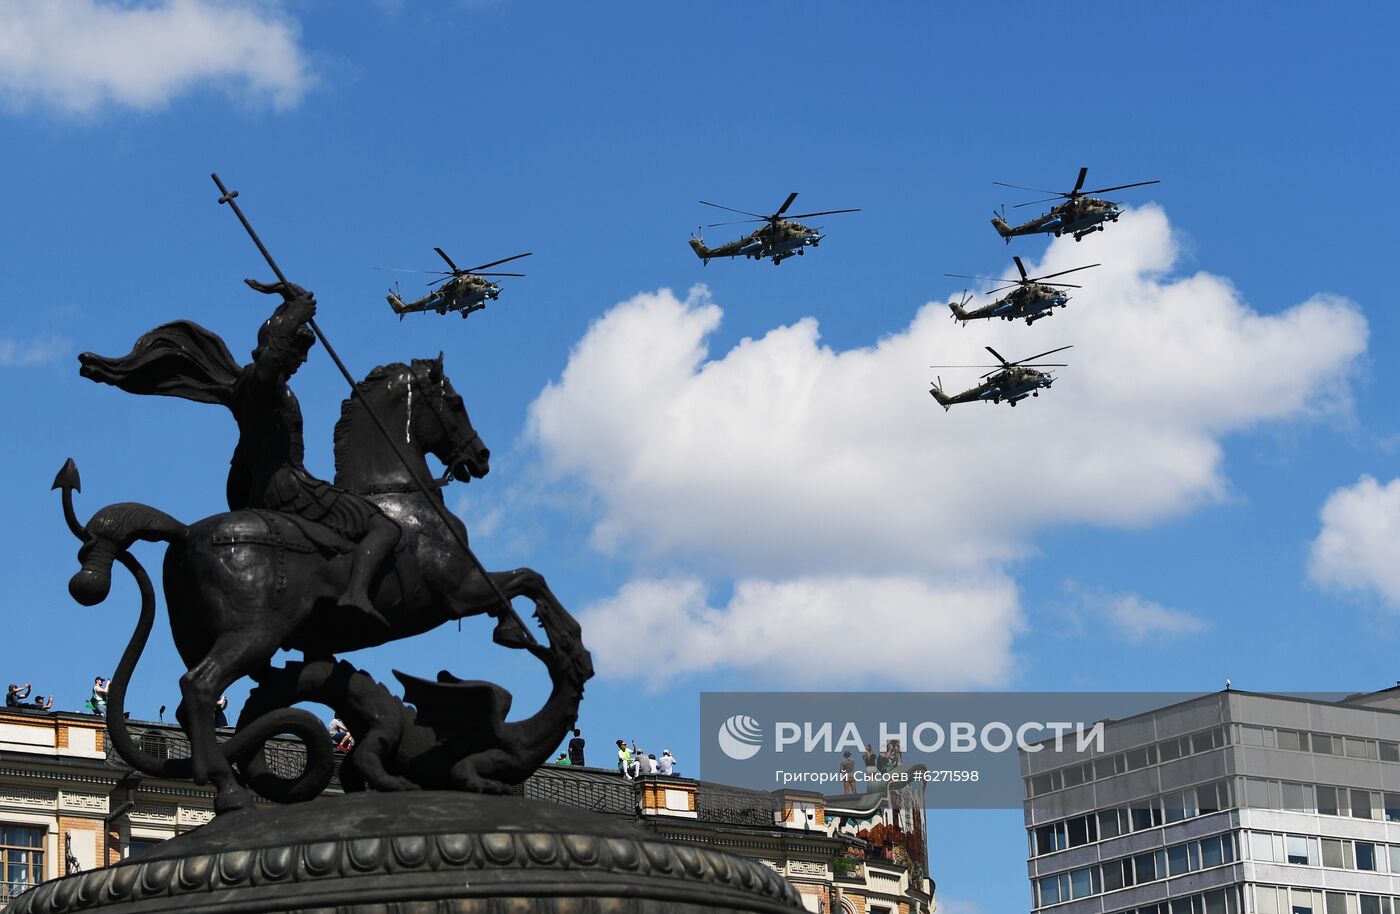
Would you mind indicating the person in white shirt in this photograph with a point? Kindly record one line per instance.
(667, 762)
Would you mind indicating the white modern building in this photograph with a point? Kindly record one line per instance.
(1231, 803)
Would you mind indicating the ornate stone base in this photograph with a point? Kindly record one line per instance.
(419, 853)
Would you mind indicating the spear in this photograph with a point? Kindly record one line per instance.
(507, 612)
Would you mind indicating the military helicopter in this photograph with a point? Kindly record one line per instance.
(463, 291)
(1030, 298)
(779, 239)
(1080, 213)
(1010, 381)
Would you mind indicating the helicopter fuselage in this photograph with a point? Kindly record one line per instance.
(464, 294)
(1032, 301)
(1078, 217)
(778, 241)
(1010, 385)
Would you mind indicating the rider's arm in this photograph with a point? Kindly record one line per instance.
(296, 311)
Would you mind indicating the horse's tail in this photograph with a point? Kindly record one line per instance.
(105, 538)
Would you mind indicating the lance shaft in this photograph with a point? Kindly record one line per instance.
(507, 611)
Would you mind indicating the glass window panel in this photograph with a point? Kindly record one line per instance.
(1142, 818)
(1208, 798)
(1336, 903)
(1394, 858)
(1194, 851)
(1176, 860)
(1078, 831)
(1392, 807)
(1049, 891)
(1103, 768)
(1332, 853)
(1215, 902)
(1365, 856)
(1323, 745)
(1074, 776)
(1181, 906)
(1304, 901)
(1256, 793)
(1361, 804)
(1288, 739)
(1203, 742)
(1108, 824)
(1370, 904)
(1112, 876)
(1297, 847)
(1298, 797)
(1390, 752)
(1171, 749)
(1137, 758)
(1080, 884)
(1176, 805)
(1144, 868)
(1211, 855)
(1327, 801)
(1265, 899)
(1251, 736)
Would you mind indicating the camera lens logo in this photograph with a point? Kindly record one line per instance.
(740, 737)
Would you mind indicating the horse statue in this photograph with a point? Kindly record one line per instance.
(244, 584)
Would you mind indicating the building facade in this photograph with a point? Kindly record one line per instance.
(68, 804)
(1231, 803)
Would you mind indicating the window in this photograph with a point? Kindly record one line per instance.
(1365, 856)
(1298, 797)
(1169, 750)
(1327, 801)
(1081, 831)
(140, 845)
(1112, 823)
(21, 859)
(1302, 850)
(1177, 861)
(1203, 742)
(1325, 745)
(1216, 851)
(1215, 902)
(1113, 875)
(1256, 793)
(1361, 804)
(1370, 904)
(1050, 890)
(1261, 847)
(1266, 899)
(1390, 752)
(1332, 854)
(1074, 776)
(1358, 748)
(1290, 739)
(1305, 901)
(1392, 807)
(1081, 882)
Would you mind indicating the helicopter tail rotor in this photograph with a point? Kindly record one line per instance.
(1000, 224)
(959, 314)
(698, 246)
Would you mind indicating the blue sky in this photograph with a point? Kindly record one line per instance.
(729, 483)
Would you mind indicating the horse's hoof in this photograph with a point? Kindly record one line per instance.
(508, 633)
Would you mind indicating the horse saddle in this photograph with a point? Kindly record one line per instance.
(260, 527)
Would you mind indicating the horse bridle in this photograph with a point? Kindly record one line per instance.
(461, 449)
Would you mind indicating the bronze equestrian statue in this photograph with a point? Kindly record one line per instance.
(302, 564)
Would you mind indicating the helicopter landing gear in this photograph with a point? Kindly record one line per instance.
(777, 260)
(801, 251)
(1035, 393)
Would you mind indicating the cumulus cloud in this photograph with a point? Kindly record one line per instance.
(77, 55)
(19, 353)
(1358, 549)
(784, 459)
(1133, 619)
(917, 633)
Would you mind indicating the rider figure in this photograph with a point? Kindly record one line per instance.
(266, 470)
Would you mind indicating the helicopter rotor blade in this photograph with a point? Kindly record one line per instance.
(444, 256)
(733, 210)
(1020, 268)
(1061, 285)
(824, 213)
(474, 273)
(786, 203)
(1083, 173)
(1104, 190)
(401, 270)
(1034, 202)
(1038, 355)
(1039, 190)
(495, 262)
(735, 222)
(983, 278)
(998, 356)
(1063, 272)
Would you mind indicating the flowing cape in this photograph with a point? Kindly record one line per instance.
(178, 359)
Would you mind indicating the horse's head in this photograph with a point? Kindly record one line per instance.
(440, 422)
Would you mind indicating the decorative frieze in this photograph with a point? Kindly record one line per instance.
(154, 813)
(192, 816)
(82, 802)
(28, 797)
(808, 868)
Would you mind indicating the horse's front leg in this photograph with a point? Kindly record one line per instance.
(475, 595)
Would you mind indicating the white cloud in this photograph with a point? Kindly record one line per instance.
(18, 353)
(1139, 621)
(784, 460)
(1358, 548)
(78, 55)
(828, 632)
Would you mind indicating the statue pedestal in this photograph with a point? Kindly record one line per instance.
(419, 853)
